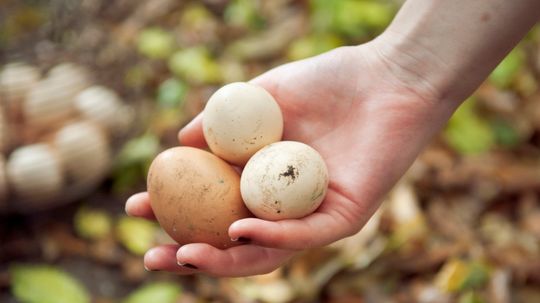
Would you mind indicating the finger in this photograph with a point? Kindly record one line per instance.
(138, 205)
(163, 258)
(239, 261)
(285, 234)
(318, 229)
(192, 134)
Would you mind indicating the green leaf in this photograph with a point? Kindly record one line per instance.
(458, 275)
(477, 276)
(195, 15)
(138, 150)
(137, 235)
(243, 13)
(505, 134)
(171, 93)
(451, 276)
(470, 297)
(195, 65)
(45, 284)
(155, 43)
(133, 160)
(162, 292)
(92, 223)
(503, 75)
(313, 45)
(534, 34)
(127, 177)
(354, 18)
(467, 132)
(323, 14)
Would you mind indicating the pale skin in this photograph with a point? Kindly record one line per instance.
(369, 110)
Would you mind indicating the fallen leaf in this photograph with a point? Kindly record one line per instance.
(46, 284)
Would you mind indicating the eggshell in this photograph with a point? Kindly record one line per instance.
(47, 103)
(16, 79)
(51, 99)
(284, 180)
(239, 119)
(84, 152)
(195, 196)
(101, 105)
(34, 174)
(73, 76)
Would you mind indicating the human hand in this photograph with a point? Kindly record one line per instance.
(351, 105)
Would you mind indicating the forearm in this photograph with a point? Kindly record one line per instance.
(446, 48)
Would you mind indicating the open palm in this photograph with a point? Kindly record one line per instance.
(366, 123)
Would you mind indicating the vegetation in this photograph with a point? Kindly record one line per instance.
(462, 226)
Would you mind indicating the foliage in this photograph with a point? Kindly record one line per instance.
(133, 161)
(503, 75)
(45, 284)
(171, 93)
(162, 292)
(313, 45)
(458, 275)
(155, 43)
(351, 18)
(195, 65)
(92, 223)
(467, 132)
(243, 13)
(137, 235)
(457, 228)
(505, 134)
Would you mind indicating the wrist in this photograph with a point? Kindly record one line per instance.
(420, 69)
(445, 49)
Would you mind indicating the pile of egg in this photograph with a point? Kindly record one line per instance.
(56, 134)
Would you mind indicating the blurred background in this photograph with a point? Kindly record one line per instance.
(92, 90)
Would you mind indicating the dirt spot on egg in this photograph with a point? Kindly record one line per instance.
(290, 174)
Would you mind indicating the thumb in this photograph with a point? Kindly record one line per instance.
(192, 134)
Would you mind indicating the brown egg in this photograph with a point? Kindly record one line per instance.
(195, 196)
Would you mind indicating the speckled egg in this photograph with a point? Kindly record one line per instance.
(195, 196)
(284, 180)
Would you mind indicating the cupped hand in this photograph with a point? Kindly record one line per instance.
(352, 105)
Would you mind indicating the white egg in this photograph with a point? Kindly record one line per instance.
(16, 79)
(34, 175)
(73, 76)
(240, 119)
(284, 180)
(84, 152)
(101, 105)
(51, 100)
(47, 103)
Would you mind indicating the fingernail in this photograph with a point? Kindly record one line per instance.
(126, 205)
(187, 265)
(148, 269)
(241, 240)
